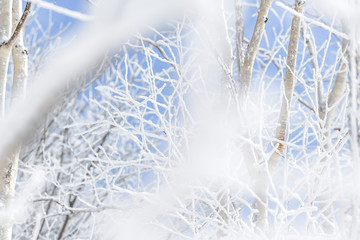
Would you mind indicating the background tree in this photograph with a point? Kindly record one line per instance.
(162, 125)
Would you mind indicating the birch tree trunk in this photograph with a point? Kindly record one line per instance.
(5, 30)
(245, 66)
(20, 56)
(354, 130)
(261, 185)
(327, 113)
(15, 43)
(289, 83)
(252, 48)
(239, 28)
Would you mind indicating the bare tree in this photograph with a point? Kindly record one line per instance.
(12, 19)
(180, 120)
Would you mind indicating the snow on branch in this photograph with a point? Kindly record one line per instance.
(312, 21)
(67, 12)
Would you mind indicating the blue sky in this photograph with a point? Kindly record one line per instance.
(60, 19)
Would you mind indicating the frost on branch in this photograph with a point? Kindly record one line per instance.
(152, 139)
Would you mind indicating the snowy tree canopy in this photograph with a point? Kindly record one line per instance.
(165, 119)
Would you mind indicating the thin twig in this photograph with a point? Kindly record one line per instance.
(306, 105)
(72, 210)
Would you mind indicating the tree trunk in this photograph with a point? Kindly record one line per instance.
(289, 83)
(326, 114)
(261, 186)
(5, 30)
(252, 49)
(19, 55)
